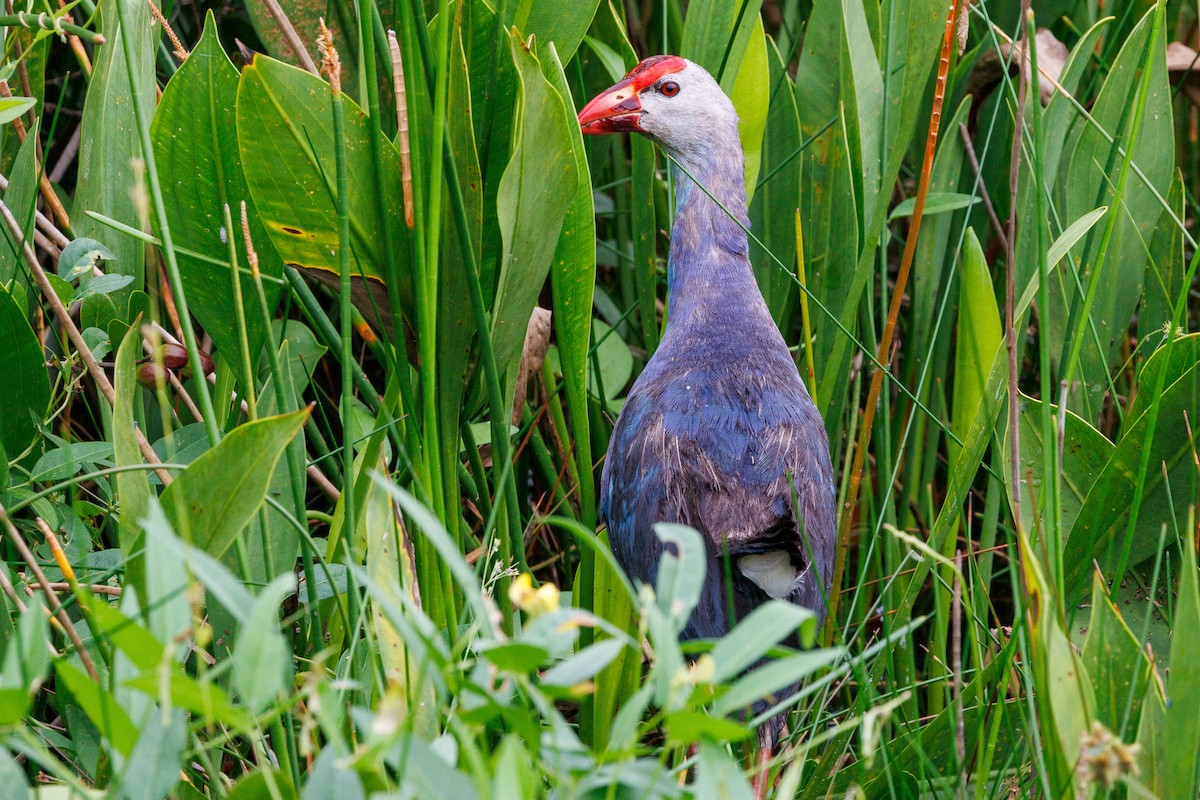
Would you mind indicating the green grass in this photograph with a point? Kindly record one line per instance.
(363, 555)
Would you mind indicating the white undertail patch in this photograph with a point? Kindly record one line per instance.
(773, 572)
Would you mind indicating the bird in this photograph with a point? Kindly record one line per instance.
(718, 432)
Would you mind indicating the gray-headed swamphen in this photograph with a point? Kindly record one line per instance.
(718, 432)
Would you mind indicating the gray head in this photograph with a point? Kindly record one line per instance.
(671, 100)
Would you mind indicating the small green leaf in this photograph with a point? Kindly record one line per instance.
(153, 767)
(517, 656)
(133, 488)
(26, 660)
(262, 660)
(614, 359)
(13, 107)
(583, 665)
(100, 705)
(26, 383)
(686, 727)
(65, 461)
(218, 495)
(935, 203)
(202, 697)
(767, 626)
(81, 256)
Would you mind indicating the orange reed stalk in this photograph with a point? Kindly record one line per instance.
(889, 329)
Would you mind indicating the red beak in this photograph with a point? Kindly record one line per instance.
(612, 111)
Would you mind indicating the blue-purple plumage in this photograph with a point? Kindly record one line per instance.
(718, 432)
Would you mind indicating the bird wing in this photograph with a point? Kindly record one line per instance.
(750, 472)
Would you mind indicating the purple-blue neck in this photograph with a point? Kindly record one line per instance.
(708, 268)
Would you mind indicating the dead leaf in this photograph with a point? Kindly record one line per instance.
(537, 341)
(1051, 60)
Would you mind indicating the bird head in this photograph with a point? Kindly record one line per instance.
(667, 98)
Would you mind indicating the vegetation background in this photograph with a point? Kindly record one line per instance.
(305, 385)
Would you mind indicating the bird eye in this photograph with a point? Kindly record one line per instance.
(669, 89)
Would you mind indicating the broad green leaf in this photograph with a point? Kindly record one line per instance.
(262, 659)
(584, 665)
(751, 96)
(909, 56)
(1091, 182)
(204, 698)
(218, 495)
(109, 141)
(26, 661)
(305, 16)
(1085, 452)
(681, 572)
(80, 257)
(1182, 721)
(716, 33)
(512, 772)
(165, 590)
(100, 705)
(1166, 266)
(773, 209)
(67, 459)
(562, 24)
(195, 141)
(752, 637)
(519, 657)
(26, 384)
(980, 339)
(127, 635)
(572, 281)
(285, 137)
(614, 360)
(20, 197)
(153, 766)
(777, 674)
(331, 777)
(1100, 531)
(718, 773)
(261, 783)
(1155, 755)
(538, 186)
(12, 776)
(1115, 660)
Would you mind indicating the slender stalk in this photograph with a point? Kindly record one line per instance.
(332, 67)
(804, 316)
(239, 319)
(1051, 513)
(48, 22)
(889, 330)
(168, 250)
(289, 34)
(52, 600)
(286, 400)
(1010, 290)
